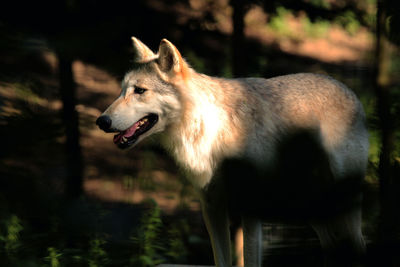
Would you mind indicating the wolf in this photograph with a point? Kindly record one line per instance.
(294, 147)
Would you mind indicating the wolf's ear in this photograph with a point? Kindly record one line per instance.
(142, 52)
(170, 60)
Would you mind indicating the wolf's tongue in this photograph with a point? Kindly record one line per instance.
(127, 133)
(117, 138)
(130, 131)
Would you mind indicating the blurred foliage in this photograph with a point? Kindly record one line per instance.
(11, 236)
(320, 3)
(348, 21)
(177, 250)
(97, 254)
(195, 61)
(151, 242)
(282, 19)
(279, 22)
(148, 239)
(53, 257)
(318, 29)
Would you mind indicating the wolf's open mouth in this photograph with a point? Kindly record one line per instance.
(128, 137)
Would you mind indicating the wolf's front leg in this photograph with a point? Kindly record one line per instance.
(215, 214)
(252, 239)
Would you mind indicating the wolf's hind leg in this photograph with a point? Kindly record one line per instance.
(341, 239)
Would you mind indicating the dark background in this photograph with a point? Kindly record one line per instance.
(69, 197)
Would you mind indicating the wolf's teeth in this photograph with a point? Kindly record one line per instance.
(124, 139)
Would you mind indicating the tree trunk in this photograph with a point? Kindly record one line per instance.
(74, 187)
(238, 39)
(389, 214)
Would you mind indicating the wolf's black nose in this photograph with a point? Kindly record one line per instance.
(104, 122)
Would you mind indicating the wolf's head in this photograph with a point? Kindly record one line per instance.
(149, 99)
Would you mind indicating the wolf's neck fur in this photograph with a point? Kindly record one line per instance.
(209, 129)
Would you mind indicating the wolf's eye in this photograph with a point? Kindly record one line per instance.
(139, 90)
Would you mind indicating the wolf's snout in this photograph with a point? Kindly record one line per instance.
(104, 123)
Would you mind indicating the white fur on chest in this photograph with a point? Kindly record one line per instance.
(196, 141)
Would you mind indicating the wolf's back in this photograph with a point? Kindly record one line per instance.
(310, 100)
